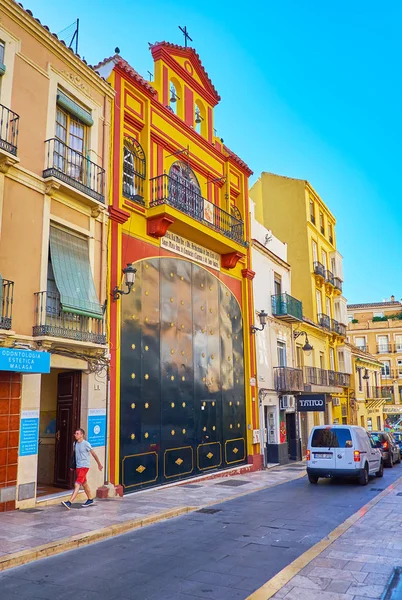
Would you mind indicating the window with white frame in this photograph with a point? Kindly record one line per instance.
(398, 343)
(383, 343)
(386, 368)
(281, 346)
(360, 342)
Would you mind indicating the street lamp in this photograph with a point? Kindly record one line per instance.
(307, 348)
(129, 278)
(366, 374)
(262, 317)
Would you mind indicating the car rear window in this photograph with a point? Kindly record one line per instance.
(331, 437)
(378, 438)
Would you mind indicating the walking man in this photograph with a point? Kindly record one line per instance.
(82, 449)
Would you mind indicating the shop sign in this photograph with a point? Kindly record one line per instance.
(97, 427)
(180, 245)
(24, 361)
(311, 403)
(29, 432)
(392, 410)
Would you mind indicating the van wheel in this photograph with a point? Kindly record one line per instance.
(364, 477)
(380, 471)
(313, 478)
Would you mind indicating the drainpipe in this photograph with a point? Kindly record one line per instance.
(107, 436)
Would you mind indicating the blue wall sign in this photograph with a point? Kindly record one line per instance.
(29, 432)
(24, 361)
(96, 426)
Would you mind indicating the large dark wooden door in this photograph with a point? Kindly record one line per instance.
(67, 421)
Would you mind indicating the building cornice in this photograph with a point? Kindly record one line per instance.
(27, 21)
(271, 254)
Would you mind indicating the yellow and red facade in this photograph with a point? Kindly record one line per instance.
(182, 401)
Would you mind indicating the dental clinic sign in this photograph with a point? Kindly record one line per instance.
(311, 403)
(24, 361)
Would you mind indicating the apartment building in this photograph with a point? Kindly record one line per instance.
(55, 125)
(298, 216)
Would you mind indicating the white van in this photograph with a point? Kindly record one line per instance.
(342, 451)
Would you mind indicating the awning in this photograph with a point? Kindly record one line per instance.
(74, 109)
(72, 272)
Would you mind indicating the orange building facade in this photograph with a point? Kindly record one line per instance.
(183, 400)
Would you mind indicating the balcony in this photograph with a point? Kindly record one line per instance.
(287, 308)
(385, 348)
(378, 392)
(338, 284)
(183, 197)
(329, 278)
(338, 328)
(51, 320)
(9, 122)
(362, 348)
(7, 304)
(75, 170)
(288, 379)
(324, 321)
(319, 269)
(322, 377)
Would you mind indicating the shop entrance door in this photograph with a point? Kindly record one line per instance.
(67, 421)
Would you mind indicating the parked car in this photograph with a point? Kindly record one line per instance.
(342, 451)
(397, 435)
(390, 450)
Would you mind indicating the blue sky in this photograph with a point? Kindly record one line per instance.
(309, 89)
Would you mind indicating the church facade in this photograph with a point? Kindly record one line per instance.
(182, 399)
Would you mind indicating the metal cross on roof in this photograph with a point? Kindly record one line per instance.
(186, 36)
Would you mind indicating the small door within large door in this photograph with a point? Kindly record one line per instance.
(67, 421)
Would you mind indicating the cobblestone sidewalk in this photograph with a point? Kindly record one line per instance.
(25, 530)
(358, 564)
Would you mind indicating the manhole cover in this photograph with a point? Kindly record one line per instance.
(377, 489)
(193, 486)
(399, 494)
(393, 591)
(31, 510)
(233, 482)
(209, 511)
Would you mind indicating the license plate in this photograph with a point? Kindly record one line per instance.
(322, 455)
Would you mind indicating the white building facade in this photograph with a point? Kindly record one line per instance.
(277, 375)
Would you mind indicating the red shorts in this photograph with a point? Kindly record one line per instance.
(81, 475)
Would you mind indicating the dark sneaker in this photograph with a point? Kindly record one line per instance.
(87, 503)
(67, 504)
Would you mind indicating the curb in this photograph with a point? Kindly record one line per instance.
(77, 541)
(23, 557)
(273, 585)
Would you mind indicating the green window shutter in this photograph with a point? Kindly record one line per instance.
(2, 69)
(74, 109)
(72, 272)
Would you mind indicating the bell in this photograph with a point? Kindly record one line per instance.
(173, 97)
(197, 118)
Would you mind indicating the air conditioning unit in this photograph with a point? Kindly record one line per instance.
(336, 401)
(287, 402)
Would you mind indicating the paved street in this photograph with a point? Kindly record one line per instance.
(225, 553)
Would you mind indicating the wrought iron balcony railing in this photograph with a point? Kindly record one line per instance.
(319, 269)
(284, 305)
(338, 284)
(384, 348)
(378, 392)
(316, 376)
(329, 277)
(288, 379)
(51, 320)
(338, 328)
(6, 304)
(184, 197)
(324, 321)
(9, 122)
(75, 169)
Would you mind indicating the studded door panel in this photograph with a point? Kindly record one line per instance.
(182, 407)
